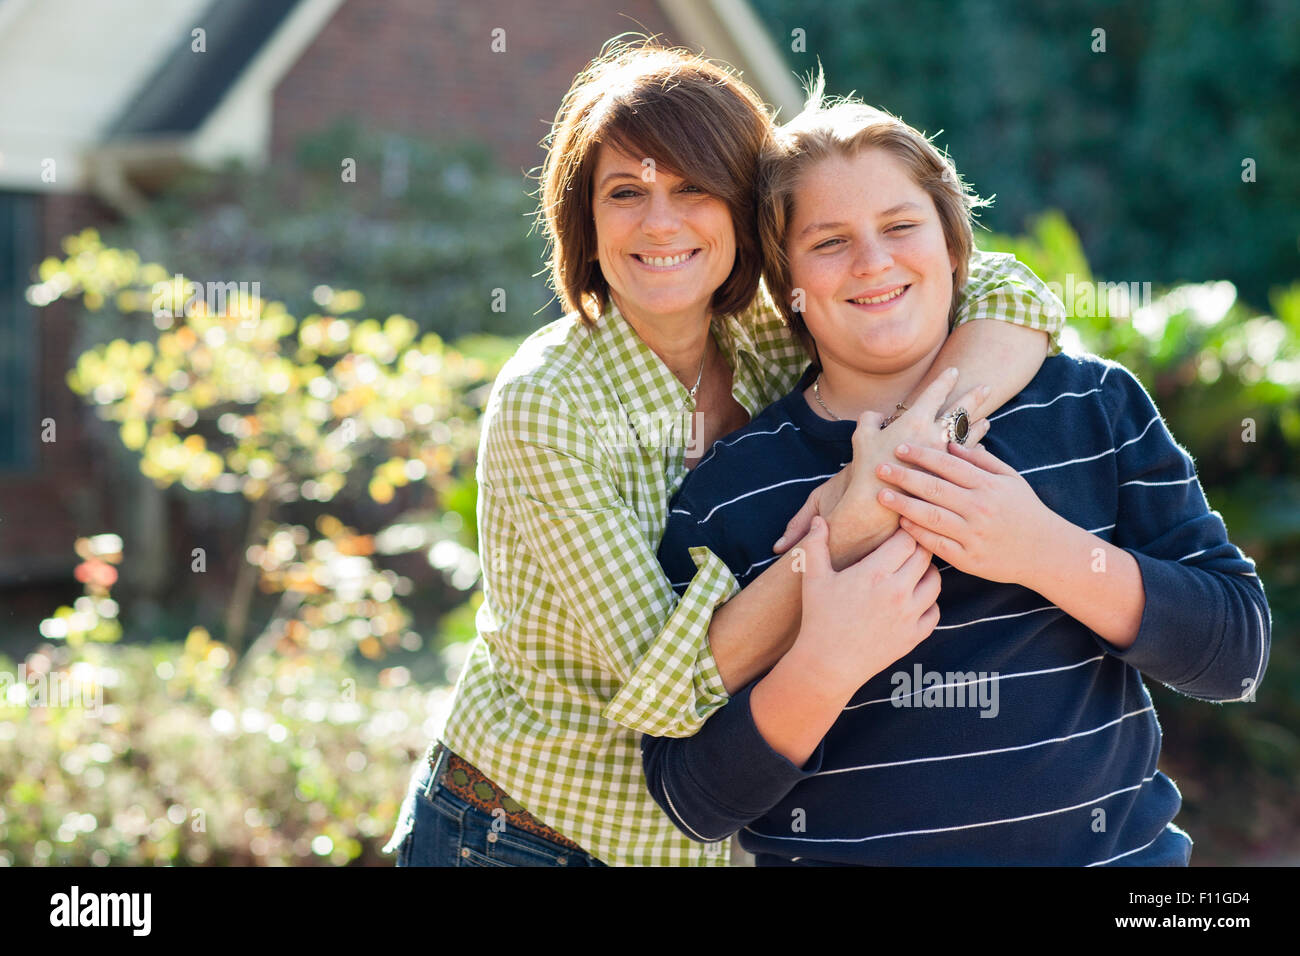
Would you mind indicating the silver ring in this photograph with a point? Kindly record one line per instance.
(958, 426)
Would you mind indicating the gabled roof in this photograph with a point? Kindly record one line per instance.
(188, 86)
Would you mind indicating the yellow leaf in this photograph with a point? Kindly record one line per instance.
(134, 434)
(381, 491)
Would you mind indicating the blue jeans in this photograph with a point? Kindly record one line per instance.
(435, 827)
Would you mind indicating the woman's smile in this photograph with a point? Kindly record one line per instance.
(666, 261)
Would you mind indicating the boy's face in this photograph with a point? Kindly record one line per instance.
(868, 250)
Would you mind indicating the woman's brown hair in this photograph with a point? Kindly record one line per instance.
(846, 127)
(692, 117)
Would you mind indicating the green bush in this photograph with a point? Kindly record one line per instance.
(161, 762)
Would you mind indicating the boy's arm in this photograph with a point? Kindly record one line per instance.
(1172, 596)
(724, 777)
(1205, 627)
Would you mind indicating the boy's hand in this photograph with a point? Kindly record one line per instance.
(858, 621)
(972, 510)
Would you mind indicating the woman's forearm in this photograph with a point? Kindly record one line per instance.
(752, 631)
(1001, 355)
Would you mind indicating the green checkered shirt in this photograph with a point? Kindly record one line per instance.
(582, 644)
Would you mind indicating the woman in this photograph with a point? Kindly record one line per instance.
(1007, 724)
(648, 199)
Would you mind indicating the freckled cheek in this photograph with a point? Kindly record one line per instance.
(929, 253)
(819, 282)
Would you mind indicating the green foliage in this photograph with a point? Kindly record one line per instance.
(156, 760)
(242, 397)
(1141, 145)
(1226, 378)
(352, 441)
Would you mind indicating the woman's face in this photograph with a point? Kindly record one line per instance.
(664, 245)
(868, 250)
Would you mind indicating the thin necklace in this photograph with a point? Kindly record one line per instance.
(696, 387)
(817, 394)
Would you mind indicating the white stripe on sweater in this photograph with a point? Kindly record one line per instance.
(1020, 408)
(987, 753)
(996, 617)
(1138, 849)
(759, 491)
(965, 826)
(727, 444)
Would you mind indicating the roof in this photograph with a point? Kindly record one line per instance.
(126, 93)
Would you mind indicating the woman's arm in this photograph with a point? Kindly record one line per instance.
(584, 565)
(768, 736)
(1001, 355)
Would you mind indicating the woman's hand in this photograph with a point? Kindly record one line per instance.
(848, 500)
(972, 510)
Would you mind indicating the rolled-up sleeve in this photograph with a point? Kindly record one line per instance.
(726, 775)
(1000, 286)
(545, 456)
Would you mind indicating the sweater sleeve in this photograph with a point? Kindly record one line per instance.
(1206, 626)
(724, 777)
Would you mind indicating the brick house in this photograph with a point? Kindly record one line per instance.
(101, 103)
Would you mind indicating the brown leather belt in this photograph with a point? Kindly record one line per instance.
(463, 779)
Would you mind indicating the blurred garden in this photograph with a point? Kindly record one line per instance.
(315, 439)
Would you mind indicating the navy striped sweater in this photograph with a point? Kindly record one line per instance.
(1013, 734)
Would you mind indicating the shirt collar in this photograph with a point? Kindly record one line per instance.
(645, 387)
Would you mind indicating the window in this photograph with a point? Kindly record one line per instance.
(19, 346)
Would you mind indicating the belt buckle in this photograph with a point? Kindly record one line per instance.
(438, 756)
